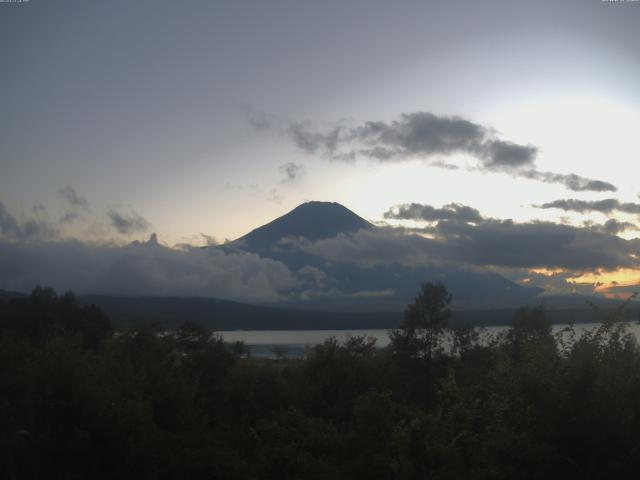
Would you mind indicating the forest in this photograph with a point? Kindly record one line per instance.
(81, 399)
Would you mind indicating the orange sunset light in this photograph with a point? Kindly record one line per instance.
(605, 280)
(547, 272)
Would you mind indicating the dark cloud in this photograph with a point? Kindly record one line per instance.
(291, 172)
(490, 243)
(414, 134)
(613, 226)
(128, 223)
(314, 142)
(28, 229)
(451, 212)
(537, 244)
(606, 206)
(571, 181)
(423, 135)
(371, 248)
(506, 155)
(71, 196)
(9, 226)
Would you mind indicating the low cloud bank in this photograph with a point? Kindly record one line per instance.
(492, 243)
(143, 269)
(151, 269)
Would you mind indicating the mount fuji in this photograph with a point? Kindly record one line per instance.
(351, 286)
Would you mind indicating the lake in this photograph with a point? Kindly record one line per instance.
(293, 343)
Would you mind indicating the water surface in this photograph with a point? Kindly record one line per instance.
(293, 343)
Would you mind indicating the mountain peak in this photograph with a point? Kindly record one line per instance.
(313, 220)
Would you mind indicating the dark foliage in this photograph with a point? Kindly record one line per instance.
(44, 314)
(424, 322)
(77, 401)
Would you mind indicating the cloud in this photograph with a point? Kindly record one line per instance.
(537, 244)
(252, 189)
(69, 217)
(257, 119)
(144, 268)
(571, 181)
(209, 240)
(38, 209)
(556, 282)
(9, 226)
(414, 134)
(27, 230)
(423, 135)
(416, 211)
(605, 206)
(75, 201)
(149, 268)
(69, 194)
(370, 248)
(612, 226)
(128, 223)
(317, 276)
(274, 197)
(621, 291)
(507, 155)
(490, 243)
(291, 172)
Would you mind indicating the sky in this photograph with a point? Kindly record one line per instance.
(201, 120)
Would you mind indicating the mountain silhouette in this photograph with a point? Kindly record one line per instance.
(355, 287)
(312, 220)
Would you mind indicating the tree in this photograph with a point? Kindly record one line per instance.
(44, 315)
(424, 321)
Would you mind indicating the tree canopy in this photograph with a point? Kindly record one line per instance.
(151, 404)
